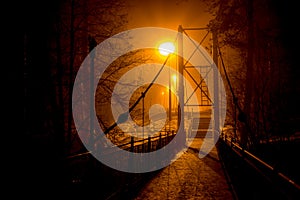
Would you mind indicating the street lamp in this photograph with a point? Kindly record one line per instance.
(166, 48)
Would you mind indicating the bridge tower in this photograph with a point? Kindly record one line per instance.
(209, 103)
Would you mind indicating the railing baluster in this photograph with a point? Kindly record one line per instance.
(149, 143)
(132, 144)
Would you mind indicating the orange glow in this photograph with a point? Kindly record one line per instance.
(174, 77)
(166, 48)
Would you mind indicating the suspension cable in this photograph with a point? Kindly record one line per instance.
(228, 81)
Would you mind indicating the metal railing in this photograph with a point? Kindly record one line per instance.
(84, 171)
(148, 144)
(139, 146)
(242, 152)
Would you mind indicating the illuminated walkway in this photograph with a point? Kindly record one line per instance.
(190, 177)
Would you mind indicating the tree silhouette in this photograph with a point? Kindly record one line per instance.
(55, 42)
(251, 37)
(80, 25)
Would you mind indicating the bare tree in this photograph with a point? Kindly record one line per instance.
(80, 25)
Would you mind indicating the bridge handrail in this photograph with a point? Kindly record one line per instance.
(133, 143)
(231, 142)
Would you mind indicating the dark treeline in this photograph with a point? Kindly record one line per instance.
(57, 36)
(42, 152)
(258, 43)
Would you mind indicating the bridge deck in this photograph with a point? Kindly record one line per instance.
(190, 177)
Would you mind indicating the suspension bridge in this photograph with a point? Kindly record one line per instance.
(199, 170)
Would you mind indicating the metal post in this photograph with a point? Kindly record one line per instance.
(143, 102)
(216, 101)
(132, 144)
(180, 85)
(170, 101)
(149, 144)
(159, 141)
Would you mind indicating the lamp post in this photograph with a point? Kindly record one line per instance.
(170, 101)
(165, 49)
